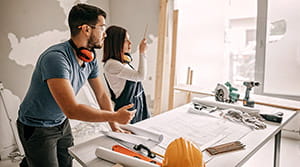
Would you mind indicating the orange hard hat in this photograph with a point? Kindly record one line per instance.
(182, 153)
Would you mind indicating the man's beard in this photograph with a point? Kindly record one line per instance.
(93, 43)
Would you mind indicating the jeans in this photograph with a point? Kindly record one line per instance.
(46, 146)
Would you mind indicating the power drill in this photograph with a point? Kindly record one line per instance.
(249, 85)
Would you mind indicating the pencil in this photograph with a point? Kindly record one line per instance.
(146, 29)
(158, 154)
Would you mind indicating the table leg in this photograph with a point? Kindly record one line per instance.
(277, 149)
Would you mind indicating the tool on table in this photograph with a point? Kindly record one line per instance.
(150, 154)
(231, 146)
(158, 154)
(224, 93)
(249, 85)
(120, 158)
(210, 109)
(141, 140)
(221, 106)
(277, 117)
(138, 147)
(128, 152)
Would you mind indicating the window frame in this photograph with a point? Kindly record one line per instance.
(261, 37)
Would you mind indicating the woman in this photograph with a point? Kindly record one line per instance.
(124, 82)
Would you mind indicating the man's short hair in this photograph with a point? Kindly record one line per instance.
(83, 14)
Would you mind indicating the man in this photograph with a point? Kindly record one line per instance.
(60, 72)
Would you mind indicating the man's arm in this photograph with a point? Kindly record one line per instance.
(64, 96)
(103, 99)
(100, 93)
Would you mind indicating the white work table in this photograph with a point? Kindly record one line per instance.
(164, 123)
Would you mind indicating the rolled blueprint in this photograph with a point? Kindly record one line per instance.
(123, 159)
(140, 136)
(213, 103)
(156, 137)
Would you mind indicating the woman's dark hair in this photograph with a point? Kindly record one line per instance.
(83, 14)
(113, 43)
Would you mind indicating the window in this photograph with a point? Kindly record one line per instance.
(279, 49)
(217, 40)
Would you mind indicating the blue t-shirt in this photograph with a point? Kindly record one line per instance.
(39, 108)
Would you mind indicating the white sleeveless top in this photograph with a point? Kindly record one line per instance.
(117, 73)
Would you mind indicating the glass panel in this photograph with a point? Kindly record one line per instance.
(217, 40)
(282, 59)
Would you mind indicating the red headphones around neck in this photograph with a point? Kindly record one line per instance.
(83, 53)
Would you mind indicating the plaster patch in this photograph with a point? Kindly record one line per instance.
(27, 50)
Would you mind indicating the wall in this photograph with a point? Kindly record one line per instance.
(28, 30)
(29, 27)
(7, 101)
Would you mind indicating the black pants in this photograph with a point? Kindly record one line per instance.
(47, 146)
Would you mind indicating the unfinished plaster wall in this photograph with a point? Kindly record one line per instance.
(29, 27)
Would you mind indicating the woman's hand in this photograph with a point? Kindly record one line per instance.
(143, 46)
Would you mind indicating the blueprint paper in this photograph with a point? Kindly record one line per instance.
(196, 128)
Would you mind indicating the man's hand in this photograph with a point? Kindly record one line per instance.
(116, 128)
(123, 116)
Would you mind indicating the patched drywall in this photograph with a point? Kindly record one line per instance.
(28, 28)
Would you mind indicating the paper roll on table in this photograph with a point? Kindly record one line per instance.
(156, 137)
(148, 138)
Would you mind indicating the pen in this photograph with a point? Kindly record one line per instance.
(146, 29)
(158, 154)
